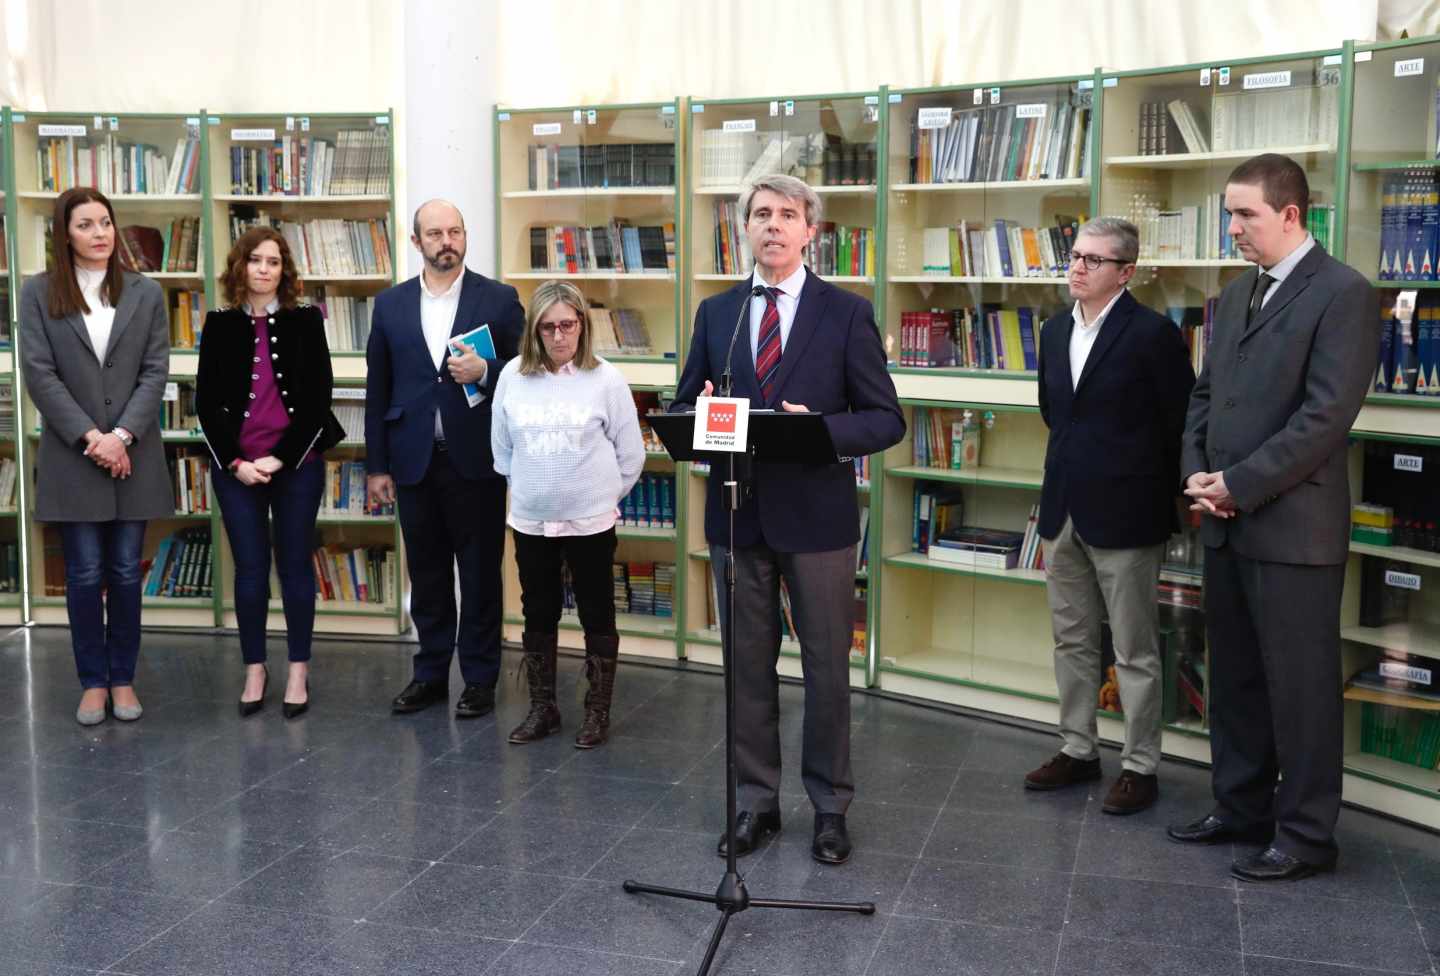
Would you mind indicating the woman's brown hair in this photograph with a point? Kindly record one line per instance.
(533, 357)
(234, 282)
(65, 296)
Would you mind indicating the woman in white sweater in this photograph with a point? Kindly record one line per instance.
(565, 433)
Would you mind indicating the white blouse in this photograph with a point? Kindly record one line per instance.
(101, 316)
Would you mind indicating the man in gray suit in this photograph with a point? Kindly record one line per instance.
(1264, 457)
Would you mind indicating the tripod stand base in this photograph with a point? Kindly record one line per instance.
(732, 898)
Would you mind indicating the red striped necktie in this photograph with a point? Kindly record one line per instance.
(767, 350)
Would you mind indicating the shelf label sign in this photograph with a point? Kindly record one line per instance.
(1267, 79)
(1224, 76)
(894, 98)
(1402, 581)
(590, 116)
(1363, 56)
(994, 96)
(1406, 672)
(774, 109)
(789, 106)
(1409, 462)
(62, 130)
(576, 116)
(304, 123)
(1035, 110)
(114, 123)
(738, 125)
(934, 118)
(1204, 77)
(979, 97)
(872, 99)
(721, 423)
(545, 129)
(348, 393)
(289, 123)
(99, 122)
(1410, 68)
(252, 135)
(172, 392)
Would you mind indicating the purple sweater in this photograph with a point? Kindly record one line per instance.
(266, 420)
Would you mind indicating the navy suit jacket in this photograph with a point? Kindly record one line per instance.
(834, 363)
(1115, 438)
(403, 389)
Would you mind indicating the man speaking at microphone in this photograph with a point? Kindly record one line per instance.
(803, 345)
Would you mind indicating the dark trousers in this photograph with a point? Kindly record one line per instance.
(104, 630)
(590, 558)
(448, 521)
(1276, 716)
(287, 506)
(822, 601)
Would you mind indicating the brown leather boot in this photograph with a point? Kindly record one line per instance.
(544, 717)
(600, 672)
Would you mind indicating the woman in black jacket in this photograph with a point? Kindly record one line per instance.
(262, 393)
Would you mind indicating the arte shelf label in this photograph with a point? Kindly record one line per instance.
(1410, 68)
(1409, 462)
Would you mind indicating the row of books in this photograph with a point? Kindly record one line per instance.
(1036, 141)
(190, 480)
(732, 244)
(737, 157)
(598, 166)
(648, 404)
(179, 414)
(8, 476)
(619, 331)
(845, 163)
(347, 318)
(1202, 231)
(7, 408)
(1298, 114)
(984, 337)
(1406, 735)
(356, 163)
(1410, 350)
(616, 246)
(9, 567)
(1171, 127)
(328, 246)
(357, 574)
(181, 567)
(862, 470)
(1003, 248)
(115, 166)
(187, 318)
(345, 485)
(643, 588)
(177, 247)
(839, 250)
(651, 503)
(1409, 225)
(945, 439)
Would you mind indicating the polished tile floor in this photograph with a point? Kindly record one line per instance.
(354, 842)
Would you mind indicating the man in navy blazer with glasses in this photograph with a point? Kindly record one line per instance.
(809, 347)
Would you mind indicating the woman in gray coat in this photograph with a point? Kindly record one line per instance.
(95, 344)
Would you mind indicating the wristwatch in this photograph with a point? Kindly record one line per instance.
(125, 436)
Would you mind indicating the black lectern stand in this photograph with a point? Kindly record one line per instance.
(791, 437)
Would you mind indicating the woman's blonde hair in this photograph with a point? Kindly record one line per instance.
(533, 357)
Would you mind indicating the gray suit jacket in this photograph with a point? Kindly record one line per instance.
(74, 393)
(1273, 407)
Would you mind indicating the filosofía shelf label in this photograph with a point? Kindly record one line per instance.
(1267, 79)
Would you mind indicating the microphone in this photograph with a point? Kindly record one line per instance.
(727, 379)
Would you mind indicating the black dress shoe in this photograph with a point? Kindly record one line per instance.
(832, 840)
(1273, 865)
(420, 694)
(1210, 829)
(296, 709)
(750, 831)
(248, 708)
(475, 700)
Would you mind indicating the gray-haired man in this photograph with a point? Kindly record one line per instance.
(1114, 381)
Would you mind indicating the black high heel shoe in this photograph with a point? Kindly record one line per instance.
(296, 709)
(248, 708)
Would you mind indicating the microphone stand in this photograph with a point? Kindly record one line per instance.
(732, 897)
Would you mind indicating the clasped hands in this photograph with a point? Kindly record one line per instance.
(1208, 494)
(785, 405)
(258, 471)
(108, 451)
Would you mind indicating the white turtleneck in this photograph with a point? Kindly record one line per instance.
(101, 316)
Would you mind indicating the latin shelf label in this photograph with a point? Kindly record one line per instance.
(1267, 79)
(1402, 581)
(62, 130)
(934, 118)
(1410, 68)
(738, 125)
(1406, 672)
(252, 135)
(1409, 462)
(545, 128)
(1035, 110)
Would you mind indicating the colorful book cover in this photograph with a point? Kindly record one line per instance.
(479, 340)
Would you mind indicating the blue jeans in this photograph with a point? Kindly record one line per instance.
(104, 630)
(289, 504)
